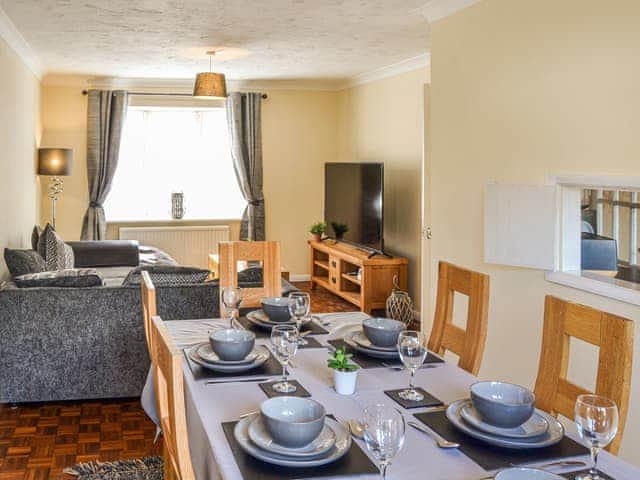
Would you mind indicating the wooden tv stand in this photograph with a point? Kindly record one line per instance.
(332, 263)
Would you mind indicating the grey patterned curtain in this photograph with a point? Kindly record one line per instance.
(244, 118)
(106, 114)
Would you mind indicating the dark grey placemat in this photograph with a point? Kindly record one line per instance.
(270, 392)
(576, 475)
(370, 362)
(428, 400)
(270, 368)
(491, 457)
(354, 463)
(266, 333)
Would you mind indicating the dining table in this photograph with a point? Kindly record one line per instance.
(209, 405)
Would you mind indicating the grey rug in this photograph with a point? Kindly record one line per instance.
(149, 468)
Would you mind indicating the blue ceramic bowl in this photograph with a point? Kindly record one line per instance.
(276, 308)
(383, 332)
(293, 421)
(232, 344)
(503, 404)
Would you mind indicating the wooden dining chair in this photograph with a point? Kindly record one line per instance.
(614, 337)
(467, 343)
(169, 387)
(149, 308)
(267, 253)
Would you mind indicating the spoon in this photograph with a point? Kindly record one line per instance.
(357, 430)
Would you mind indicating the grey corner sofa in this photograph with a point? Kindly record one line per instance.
(86, 343)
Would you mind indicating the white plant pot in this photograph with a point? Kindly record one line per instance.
(345, 382)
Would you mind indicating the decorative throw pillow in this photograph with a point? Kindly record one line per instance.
(168, 275)
(35, 236)
(57, 254)
(21, 262)
(69, 278)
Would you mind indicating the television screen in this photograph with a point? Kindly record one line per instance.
(353, 203)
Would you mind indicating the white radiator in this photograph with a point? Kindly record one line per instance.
(190, 246)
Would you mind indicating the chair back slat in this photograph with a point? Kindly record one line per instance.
(267, 253)
(467, 343)
(612, 335)
(169, 387)
(149, 308)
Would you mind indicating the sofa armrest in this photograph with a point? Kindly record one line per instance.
(105, 253)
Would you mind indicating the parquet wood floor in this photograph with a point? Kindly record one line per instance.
(38, 441)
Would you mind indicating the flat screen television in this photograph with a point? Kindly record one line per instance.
(353, 203)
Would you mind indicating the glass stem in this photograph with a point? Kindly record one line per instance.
(594, 460)
(284, 372)
(383, 471)
(413, 372)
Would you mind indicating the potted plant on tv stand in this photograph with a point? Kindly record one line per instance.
(339, 229)
(317, 230)
(345, 373)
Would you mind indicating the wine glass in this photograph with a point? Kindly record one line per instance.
(231, 299)
(383, 434)
(412, 353)
(299, 307)
(284, 339)
(597, 421)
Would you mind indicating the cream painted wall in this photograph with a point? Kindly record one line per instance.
(299, 135)
(64, 124)
(19, 138)
(382, 121)
(522, 90)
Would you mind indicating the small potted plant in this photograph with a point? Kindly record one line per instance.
(345, 373)
(317, 230)
(339, 229)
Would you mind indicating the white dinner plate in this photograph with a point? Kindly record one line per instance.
(361, 339)
(348, 339)
(534, 427)
(341, 447)
(259, 435)
(207, 354)
(552, 436)
(261, 357)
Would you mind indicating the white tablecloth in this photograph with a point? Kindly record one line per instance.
(209, 405)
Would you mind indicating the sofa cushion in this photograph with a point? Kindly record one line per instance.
(168, 275)
(35, 236)
(21, 262)
(57, 254)
(72, 278)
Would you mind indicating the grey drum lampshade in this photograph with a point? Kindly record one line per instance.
(210, 85)
(55, 161)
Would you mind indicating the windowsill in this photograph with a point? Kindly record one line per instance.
(621, 290)
(173, 220)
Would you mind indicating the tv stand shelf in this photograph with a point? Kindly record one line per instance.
(332, 263)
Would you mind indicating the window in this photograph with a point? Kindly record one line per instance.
(609, 233)
(169, 149)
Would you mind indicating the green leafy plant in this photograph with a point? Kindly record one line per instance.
(341, 360)
(318, 228)
(339, 229)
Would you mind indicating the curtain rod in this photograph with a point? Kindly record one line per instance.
(144, 94)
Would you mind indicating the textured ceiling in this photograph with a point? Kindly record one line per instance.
(287, 39)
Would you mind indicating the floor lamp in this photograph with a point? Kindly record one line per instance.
(56, 163)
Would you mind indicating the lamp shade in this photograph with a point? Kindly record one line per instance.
(210, 85)
(55, 161)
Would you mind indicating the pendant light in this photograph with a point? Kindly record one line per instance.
(209, 84)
